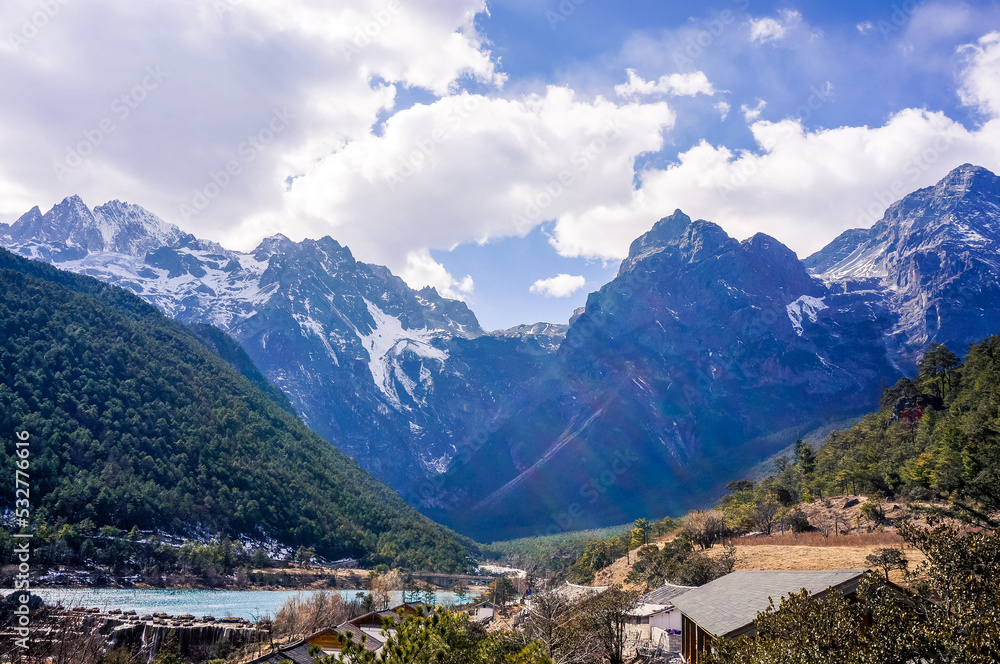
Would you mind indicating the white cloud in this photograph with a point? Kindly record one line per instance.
(461, 167)
(469, 168)
(801, 187)
(752, 113)
(688, 85)
(229, 63)
(422, 270)
(865, 27)
(981, 78)
(764, 30)
(561, 285)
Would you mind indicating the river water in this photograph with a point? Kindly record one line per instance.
(249, 604)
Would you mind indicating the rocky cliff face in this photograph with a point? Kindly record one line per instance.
(933, 259)
(702, 355)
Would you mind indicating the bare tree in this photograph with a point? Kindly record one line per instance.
(609, 612)
(560, 626)
(299, 617)
(706, 528)
(382, 585)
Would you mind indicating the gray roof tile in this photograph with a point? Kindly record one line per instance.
(299, 654)
(732, 602)
(665, 594)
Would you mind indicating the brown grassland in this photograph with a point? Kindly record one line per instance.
(845, 549)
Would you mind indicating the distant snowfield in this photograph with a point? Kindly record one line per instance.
(389, 339)
(807, 306)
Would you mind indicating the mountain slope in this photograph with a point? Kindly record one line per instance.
(677, 375)
(230, 350)
(947, 450)
(136, 423)
(363, 358)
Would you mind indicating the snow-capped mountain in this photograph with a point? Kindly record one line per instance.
(704, 356)
(71, 230)
(933, 259)
(360, 354)
(548, 335)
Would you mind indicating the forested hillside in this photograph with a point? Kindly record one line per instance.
(135, 422)
(934, 437)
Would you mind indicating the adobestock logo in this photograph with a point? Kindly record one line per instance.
(366, 34)
(31, 26)
(218, 181)
(121, 108)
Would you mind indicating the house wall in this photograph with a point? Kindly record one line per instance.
(667, 620)
(637, 632)
(694, 640)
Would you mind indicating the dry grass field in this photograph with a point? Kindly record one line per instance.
(851, 541)
(845, 552)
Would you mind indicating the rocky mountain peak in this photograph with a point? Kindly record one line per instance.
(132, 230)
(277, 243)
(967, 178)
(933, 257)
(960, 212)
(681, 238)
(773, 261)
(69, 229)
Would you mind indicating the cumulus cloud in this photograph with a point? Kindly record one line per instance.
(561, 285)
(800, 186)
(981, 78)
(470, 168)
(284, 119)
(227, 67)
(723, 107)
(751, 113)
(767, 29)
(290, 119)
(688, 85)
(421, 269)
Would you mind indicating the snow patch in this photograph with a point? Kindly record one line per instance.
(806, 305)
(387, 340)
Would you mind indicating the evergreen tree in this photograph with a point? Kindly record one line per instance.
(937, 369)
(804, 457)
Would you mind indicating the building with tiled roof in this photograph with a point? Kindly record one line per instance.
(727, 607)
(366, 629)
(656, 622)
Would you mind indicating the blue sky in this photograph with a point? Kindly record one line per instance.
(506, 152)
